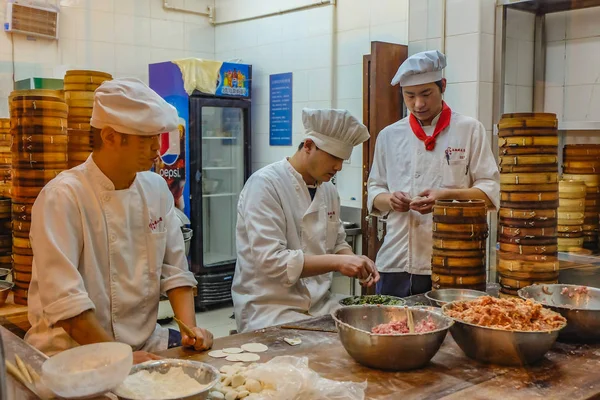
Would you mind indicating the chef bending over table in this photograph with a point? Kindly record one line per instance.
(106, 239)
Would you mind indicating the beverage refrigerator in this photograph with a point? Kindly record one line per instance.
(206, 165)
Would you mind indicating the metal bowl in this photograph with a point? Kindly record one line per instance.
(5, 288)
(372, 299)
(499, 346)
(444, 296)
(581, 310)
(388, 352)
(4, 273)
(204, 374)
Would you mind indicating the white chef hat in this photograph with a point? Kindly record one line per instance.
(129, 106)
(420, 68)
(334, 131)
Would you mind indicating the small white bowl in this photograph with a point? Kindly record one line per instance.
(87, 371)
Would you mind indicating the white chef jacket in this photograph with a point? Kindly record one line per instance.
(277, 225)
(112, 251)
(462, 158)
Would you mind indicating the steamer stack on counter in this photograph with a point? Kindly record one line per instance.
(460, 231)
(527, 226)
(582, 163)
(39, 150)
(571, 215)
(5, 234)
(5, 158)
(79, 95)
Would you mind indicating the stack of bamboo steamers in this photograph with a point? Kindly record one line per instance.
(527, 229)
(582, 163)
(5, 189)
(39, 153)
(79, 95)
(460, 231)
(571, 215)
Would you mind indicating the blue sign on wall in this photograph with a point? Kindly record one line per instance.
(280, 110)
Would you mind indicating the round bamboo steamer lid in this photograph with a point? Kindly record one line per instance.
(79, 155)
(571, 170)
(529, 160)
(527, 132)
(80, 112)
(467, 236)
(571, 189)
(528, 214)
(81, 126)
(548, 187)
(6, 189)
(21, 217)
(529, 115)
(566, 222)
(460, 228)
(527, 266)
(39, 113)
(42, 157)
(25, 132)
(570, 215)
(528, 178)
(571, 229)
(27, 191)
(37, 94)
(507, 169)
(526, 205)
(590, 180)
(461, 204)
(570, 242)
(80, 87)
(441, 211)
(79, 96)
(23, 243)
(47, 122)
(526, 232)
(23, 260)
(6, 160)
(81, 103)
(529, 223)
(22, 285)
(581, 150)
(25, 140)
(447, 244)
(88, 72)
(458, 280)
(529, 196)
(22, 251)
(42, 148)
(524, 150)
(453, 262)
(83, 79)
(22, 276)
(512, 279)
(569, 235)
(516, 123)
(459, 253)
(25, 104)
(23, 234)
(528, 141)
(522, 249)
(480, 287)
(458, 271)
(528, 241)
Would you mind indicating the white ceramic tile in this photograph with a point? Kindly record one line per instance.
(395, 32)
(101, 56)
(260, 117)
(353, 14)
(486, 99)
(487, 13)
(197, 5)
(139, 8)
(554, 101)
(524, 99)
(267, 58)
(69, 53)
(463, 98)
(462, 17)
(321, 21)
(161, 55)
(48, 52)
(131, 59)
(132, 30)
(583, 23)
(583, 61)
(417, 20)
(320, 50)
(555, 63)
(166, 34)
(225, 55)
(297, 107)
(300, 88)
(434, 44)
(319, 84)
(199, 38)
(486, 57)
(71, 23)
(158, 12)
(525, 63)
(226, 37)
(388, 11)
(269, 30)
(103, 5)
(102, 27)
(349, 182)
(261, 96)
(511, 61)
(352, 45)
(593, 114)
(349, 81)
(556, 26)
(417, 47)
(577, 103)
(520, 25)
(510, 99)
(434, 18)
(463, 56)
(247, 34)
(355, 106)
(260, 143)
(294, 26)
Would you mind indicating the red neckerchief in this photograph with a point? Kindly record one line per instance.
(442, 124)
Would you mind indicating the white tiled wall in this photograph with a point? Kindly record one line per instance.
(573, 65)
(120, 37)
(327, 67)
(518, 88)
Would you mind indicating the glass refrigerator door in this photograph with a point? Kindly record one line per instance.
(222, 181)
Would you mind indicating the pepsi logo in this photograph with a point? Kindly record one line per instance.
(169, 147)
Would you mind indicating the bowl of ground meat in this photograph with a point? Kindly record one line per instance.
(507, 332)
(379, 336)
(580, 305)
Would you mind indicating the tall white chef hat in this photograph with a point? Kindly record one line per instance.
(420, 68)
(334, 131)
(129, 106)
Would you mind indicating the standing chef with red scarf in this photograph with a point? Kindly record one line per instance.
(434, 153)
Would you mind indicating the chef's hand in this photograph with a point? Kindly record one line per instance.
(400, 201)
(425, 203)
(203, 340)
(142, 356)
(360, 267)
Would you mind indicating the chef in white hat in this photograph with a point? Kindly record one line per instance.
(434, 153)
(106, 239)
(290, 238)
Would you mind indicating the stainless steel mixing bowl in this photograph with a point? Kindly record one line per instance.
(205, 374)
(388, 352)
(444, 296)
(582, 310)
(499, 346)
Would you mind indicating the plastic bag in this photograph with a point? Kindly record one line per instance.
(290, 378)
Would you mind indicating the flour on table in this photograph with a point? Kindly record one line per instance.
(145, 384)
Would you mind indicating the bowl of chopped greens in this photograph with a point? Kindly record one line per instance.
(373, 300)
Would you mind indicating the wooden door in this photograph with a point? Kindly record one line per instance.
(382, 106)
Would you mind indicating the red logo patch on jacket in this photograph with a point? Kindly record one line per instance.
(154, 224)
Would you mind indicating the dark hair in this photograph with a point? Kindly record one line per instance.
(300, 146)
(96, 136)
(440, 84)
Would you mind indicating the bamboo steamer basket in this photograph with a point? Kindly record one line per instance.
(528, 241)
(571, 189)
(454, 262)
(529, 223)
(570, 229)
(526, 205)
(81, 72)
(446, 281)
(84, 79)
(465, 272)
(528, 178)
(459, 253)
(526, 232)
(525, 150)
(528, 141)
(590, 180)
(527, 132)
(471, 229)
(570, 244)
(19, 113)
(529, 160)
(527, 266)
(80, 126)
(528, 120)
(526, 250)
(543, 187)
(567, 235)
(80, 112)
(5, 259)
(22, 251)
(23, 148)
(581, 151)
(516, 284)
(87, 96)
(529, 197)
(81, 87)
(462, 245)
(505, 169)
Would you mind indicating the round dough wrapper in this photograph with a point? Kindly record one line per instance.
(218, 354)
(248, 357)
(254, 347)
(233, 358)
(232, 350)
